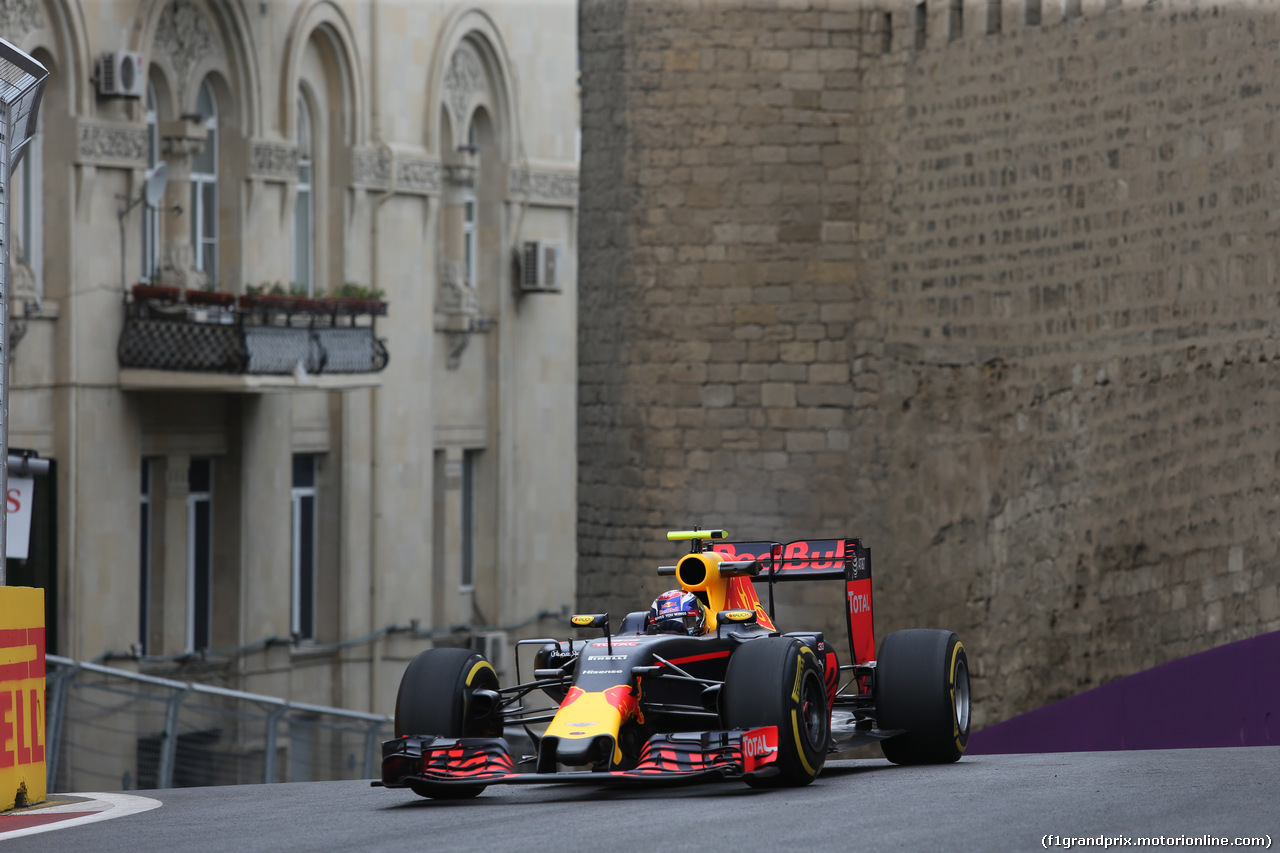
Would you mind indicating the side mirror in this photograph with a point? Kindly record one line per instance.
(736, 617)
(594, 620)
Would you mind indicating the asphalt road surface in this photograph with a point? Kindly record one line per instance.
(983, 803)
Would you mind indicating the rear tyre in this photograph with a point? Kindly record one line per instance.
(922, 686)
(777, 681)
(435, 699)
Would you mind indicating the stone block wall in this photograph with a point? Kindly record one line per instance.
(1004, 304)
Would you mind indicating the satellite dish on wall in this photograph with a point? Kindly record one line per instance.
(157, 180)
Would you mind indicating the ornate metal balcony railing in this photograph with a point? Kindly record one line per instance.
(246, 338)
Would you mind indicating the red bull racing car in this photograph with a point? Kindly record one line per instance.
(702, 686)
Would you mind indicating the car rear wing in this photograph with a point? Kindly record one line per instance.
(817, 559)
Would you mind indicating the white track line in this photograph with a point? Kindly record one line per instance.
(118, 805)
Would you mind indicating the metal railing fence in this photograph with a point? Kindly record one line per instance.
(110, 729)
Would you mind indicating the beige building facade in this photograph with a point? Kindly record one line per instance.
(352, 479)
(991, 284)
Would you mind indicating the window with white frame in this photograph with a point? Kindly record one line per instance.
(303, 598)
(151, 215)
(204, 188)
(199, 554)
(144, 558)
(304, 205)
(469, 235)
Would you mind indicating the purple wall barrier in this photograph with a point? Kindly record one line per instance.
(1228, 696)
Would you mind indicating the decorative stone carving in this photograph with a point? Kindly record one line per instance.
(273, 161)
(555, 188)
(457, 311)
(22, 279)
(178, 267)
(417, 175)
(112, 145)
(19, 17)
(184, 35)
(460, 175)
(186, 148)
(458, 296)
(463, 82)
(372, 168)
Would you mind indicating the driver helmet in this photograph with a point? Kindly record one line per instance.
(676, 612)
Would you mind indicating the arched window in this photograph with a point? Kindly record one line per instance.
(304, 207)
(151, 215)
(204, 188)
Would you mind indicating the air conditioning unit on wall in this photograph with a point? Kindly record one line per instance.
(122, 74)
(493, 645)
(541, 267)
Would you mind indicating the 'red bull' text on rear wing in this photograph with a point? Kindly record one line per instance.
(818, 559)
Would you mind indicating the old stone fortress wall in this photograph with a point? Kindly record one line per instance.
(999, 297)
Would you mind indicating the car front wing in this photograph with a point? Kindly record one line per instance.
(664, 759)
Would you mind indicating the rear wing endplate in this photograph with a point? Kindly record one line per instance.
(818, 559)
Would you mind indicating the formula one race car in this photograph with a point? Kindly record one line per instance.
(700, 687)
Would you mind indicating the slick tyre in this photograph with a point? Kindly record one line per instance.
(777, 681)
(435, 699)
(922, 686)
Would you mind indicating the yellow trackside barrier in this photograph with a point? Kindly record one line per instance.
(22, 712)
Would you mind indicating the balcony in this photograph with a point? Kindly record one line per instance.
(208, 341)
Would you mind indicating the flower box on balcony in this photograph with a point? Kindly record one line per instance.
(265, 304)
(352, 306)
(156, 293)
(213, 297)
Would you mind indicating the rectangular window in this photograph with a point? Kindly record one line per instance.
(304, 205)
(144, 559)
(956, 29)
(150, 271)
(1033, 13)
(922, 25)
(886, 32)
(209, 230)
(199, 554)
(469, 236)
(467, 533)
(204, 203)
(995, 13)
(302, 230)
(303, 585)
(27, 222)
(1070, 9)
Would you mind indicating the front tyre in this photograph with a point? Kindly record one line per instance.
(435, 699)
(777, 681)
(922, 686)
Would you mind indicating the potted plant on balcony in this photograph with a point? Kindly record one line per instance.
(349, 300)
(149, 292)
(275, 297)
(352, 299)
